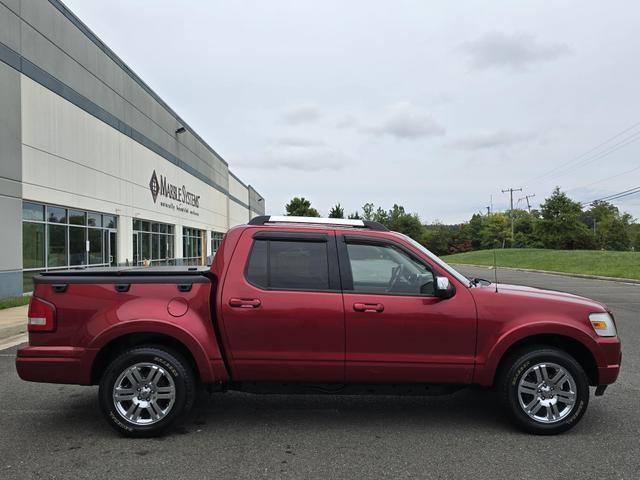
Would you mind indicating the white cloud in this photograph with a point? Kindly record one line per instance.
(300, 114)
(514, 51)
(491, 140)
(296, 154)
(407, 122)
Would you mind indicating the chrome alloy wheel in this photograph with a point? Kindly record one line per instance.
(547, 392)
(144, 393)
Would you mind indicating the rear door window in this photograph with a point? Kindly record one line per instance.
(289, 265)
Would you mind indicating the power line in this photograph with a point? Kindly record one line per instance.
(613, 148)
(605, 179)
(614, 196)
(630, 139)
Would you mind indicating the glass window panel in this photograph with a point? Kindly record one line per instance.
(32, 211)
(109, 221)
(298, 265)
(145, 226)
(170, 240)
(170, 229)
(77, 246)
(96, 250)
(57, 214)
(155, 246)
(137, 225)
(33, 245)
(76, 217)
(162, 240)
(94, 219)
(155, 227)
(385, 269)
(163, 228)
(145, 246)
(57, 255)
(257, 264)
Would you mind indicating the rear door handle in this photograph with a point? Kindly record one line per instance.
(245, 302)
(368, 307)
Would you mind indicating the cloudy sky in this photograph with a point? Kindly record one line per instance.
(436, 106)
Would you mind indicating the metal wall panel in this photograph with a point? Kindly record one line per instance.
(9, 28)
(10, 183)
(56, 43)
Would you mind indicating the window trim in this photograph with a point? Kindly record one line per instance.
(335, 284)
(345, 263)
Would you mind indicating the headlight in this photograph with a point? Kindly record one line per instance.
(603, 324)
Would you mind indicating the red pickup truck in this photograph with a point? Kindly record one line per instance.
(315, 305)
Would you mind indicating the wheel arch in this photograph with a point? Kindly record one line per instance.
(129, 340)
(573, 347)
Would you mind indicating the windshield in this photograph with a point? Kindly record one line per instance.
(461, 278)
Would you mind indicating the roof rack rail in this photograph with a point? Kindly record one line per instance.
(263, 219)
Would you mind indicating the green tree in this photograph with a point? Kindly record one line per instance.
(476, 225)
(437, 238)
(610, 230)
(354, 216)
(612, 233)
(336, 211)
(400, 221)
(497, 231)
(560, 227)
(300, 207)
(367, 211)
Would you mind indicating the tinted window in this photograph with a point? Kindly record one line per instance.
(386, 269)
(32, 211)
(289, 265)
(57, 214)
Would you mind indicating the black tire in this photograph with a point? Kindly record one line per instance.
(173, 369)
(519, 365)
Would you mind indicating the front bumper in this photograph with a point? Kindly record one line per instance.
(609, 360)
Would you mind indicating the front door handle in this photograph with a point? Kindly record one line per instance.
(368, 307)
(244, 302)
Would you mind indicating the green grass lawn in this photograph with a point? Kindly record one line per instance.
(587, 262)
(14, 301)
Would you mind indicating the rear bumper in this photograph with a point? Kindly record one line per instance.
(54, 365)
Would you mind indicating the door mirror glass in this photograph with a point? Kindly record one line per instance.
(444, 288)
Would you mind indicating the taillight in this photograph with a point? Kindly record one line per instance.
(42, 316)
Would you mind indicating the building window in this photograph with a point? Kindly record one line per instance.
(216, 240)
(192, 246)
(55, 237)
(153, 243)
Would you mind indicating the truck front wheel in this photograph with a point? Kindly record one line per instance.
(145, 390)
(544, 390)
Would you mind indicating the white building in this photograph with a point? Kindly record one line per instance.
(95, 169)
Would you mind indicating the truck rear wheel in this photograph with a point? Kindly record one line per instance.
(145, 390)
(544, 390)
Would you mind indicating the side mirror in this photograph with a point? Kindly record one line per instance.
(444, 288)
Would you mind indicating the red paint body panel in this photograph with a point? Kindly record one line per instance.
(310, 336)
(291, 335)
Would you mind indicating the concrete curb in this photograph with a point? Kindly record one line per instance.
(6, 343)
(561, 274)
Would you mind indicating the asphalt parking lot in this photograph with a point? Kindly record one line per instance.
(56, 431)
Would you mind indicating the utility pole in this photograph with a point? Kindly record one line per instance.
(511, 190)
(527, 197)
